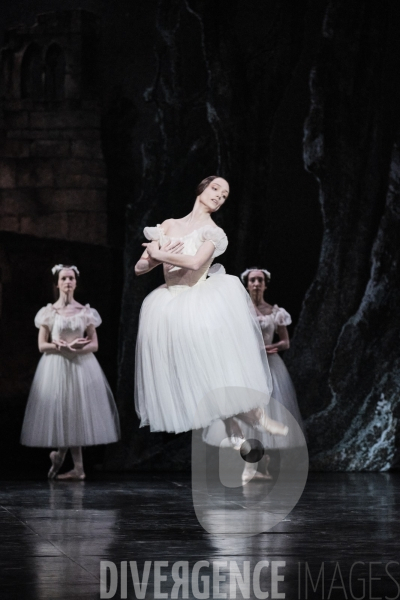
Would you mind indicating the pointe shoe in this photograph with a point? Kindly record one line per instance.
(236, 442)
(273, 427)
(56, 463)
(263, 476)
(249, 472)
(72, 475)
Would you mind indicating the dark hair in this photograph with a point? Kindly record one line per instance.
(57, 273)
(246, 277)
(204, 184)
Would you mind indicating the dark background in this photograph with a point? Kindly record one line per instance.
(296, 104)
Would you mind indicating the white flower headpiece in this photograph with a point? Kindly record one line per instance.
(57, 268)
(247, 271)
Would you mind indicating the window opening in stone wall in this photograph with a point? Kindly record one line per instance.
(54, 73)
(32, 73)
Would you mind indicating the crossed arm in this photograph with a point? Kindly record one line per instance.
(170, 254)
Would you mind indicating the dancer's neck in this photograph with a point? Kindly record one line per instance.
(257, 298)
(200, 215)
(65, 299)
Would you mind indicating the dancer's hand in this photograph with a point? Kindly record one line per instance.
(59, 344)
(78, 343)
(270, 349)
(175, 247)
(152, 249)
(64, 347)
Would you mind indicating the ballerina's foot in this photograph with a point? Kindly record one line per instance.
(250, 472)
(56, 463)
(237, 442)
(73, 475)
(261, 476)
(273, 427)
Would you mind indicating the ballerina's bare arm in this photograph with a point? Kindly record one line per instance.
(78, 346)
(283, 343)
(146, 263)
(85, 345)
(43, 341)
(193, 263)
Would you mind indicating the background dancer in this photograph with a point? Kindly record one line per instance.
(70, 403)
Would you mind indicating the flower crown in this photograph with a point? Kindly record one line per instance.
(58, 268)
(247, 271)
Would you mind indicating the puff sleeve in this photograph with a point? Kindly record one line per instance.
(45, 317)
(281, 317)
(92, 316)
(217, 236)
(153, 233)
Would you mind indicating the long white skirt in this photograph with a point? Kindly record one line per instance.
(283, 400)
(200, 355)
(70, 404)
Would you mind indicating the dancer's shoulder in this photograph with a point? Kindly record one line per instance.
(45, 316)
(281, 316)
(167, 224)
(217, 236)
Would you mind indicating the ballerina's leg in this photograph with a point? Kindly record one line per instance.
(77, 472)
(57, 458)
(233, 428)
(258, 417)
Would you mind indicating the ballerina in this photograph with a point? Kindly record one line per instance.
(273, 320)
(200, 355)
(70, 403)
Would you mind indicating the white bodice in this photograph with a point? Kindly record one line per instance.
(270, 323)
(192, 242)
(67, 328)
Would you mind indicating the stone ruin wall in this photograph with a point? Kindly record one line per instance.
(52, 171)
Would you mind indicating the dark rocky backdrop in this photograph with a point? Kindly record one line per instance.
(187, 88)
(345, 349)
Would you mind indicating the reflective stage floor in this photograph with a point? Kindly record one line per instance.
(340, 540)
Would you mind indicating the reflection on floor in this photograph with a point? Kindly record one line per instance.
(54, 535)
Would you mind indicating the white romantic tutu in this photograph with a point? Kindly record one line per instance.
(198, 350)
(283, 391)
(70, 404)
(283, 400)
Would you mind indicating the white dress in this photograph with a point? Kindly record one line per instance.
(283, 395)
(70, 402)
(282, 385)
(200, 353)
